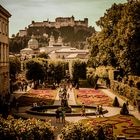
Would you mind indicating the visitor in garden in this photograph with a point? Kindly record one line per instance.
(60, 96)
(127, 104)
(101, 110)
(83, 110)
(25, 86)
(57, 115)
(71, 87)
(63, 115)
(134, 104)
(22, 87)
(97, 111)
(68, 95)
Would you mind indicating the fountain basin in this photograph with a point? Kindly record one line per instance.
(50, 110)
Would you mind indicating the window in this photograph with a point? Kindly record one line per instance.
(6, 29)
(0, 26)
(3, 27)
(0, 51)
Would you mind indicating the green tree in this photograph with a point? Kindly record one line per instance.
(57, 70)
(15, 66)
(78, 70)
(118, 41)
(43, 55)
(36, 69)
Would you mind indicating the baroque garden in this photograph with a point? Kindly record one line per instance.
(80, 100)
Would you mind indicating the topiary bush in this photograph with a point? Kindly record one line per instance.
(124, 110)
(138, 85)
(116, 102)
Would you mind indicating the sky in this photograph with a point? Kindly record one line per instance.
(24, 11)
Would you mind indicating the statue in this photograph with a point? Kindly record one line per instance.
(64, 102)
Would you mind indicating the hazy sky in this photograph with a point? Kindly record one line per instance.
(24, 11)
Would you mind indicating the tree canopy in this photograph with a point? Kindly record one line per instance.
(36, 69)
(15, 66)
(78, 70)
(117, 44)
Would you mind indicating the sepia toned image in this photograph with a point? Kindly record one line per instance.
(70, 70)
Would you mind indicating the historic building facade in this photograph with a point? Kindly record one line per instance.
(31, 50)
(4, 51)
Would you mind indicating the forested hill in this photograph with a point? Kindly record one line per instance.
(74, 35)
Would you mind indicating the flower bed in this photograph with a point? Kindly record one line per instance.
(46, 97)
(92, 97)
(122, 125)
(30, 129)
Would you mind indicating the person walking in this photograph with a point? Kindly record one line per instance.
(127, 104)
(83, 110)
(97, 111)
(63, 115)
(101, 110)
(68, 95)
(134, 104)
(57, 116)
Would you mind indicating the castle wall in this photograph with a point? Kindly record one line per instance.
(61, 22)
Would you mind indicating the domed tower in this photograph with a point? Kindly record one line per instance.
(33, 43)
(52, 40)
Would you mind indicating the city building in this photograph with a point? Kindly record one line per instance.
(23, 33)
(54, 44)
(55, 50)
(68, 54)
(31, 50)
(4, 51)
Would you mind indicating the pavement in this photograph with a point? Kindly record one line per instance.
(111, 110)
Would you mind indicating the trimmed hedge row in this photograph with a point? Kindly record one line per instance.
(124, 89)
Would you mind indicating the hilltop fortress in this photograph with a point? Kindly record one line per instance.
(61, 22)
(39, 27)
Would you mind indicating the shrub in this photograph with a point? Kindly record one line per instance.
(100, 134)
(34, 129)
(131, 83)
(77, 131)
(124, 89)
(138, 85)
(116, 102)
(124, 110)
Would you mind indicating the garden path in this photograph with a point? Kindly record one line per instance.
(132, 111)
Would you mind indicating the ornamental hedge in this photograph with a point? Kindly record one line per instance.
(124, 89)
